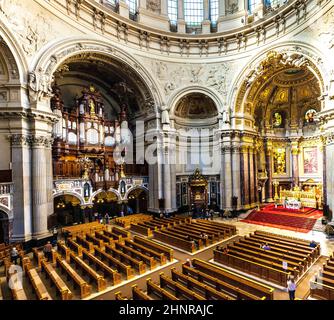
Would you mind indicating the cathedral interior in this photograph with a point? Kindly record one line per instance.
(170, 139)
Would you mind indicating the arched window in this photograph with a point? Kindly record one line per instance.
(214, 5)
(193, 12)
(132, 6)
(251, 5)
(172, 11)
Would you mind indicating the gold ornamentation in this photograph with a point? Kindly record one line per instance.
(279, 161)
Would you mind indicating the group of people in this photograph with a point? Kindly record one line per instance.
(202, 213)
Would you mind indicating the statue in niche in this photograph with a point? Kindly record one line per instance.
(226, 116)
(277, 120)
(91, 106)
(164, 115)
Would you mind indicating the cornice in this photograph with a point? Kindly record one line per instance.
(103, 21)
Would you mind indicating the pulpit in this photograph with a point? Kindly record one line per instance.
(198, 190)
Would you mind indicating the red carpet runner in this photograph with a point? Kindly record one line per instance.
(296, 220)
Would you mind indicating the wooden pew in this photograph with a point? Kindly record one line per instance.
(104, 238)
(138, 265)
(149, 261)
(212, 235)
(62, 289)
(174, 241)
(94, 240)
(114, 276)
(124, 234)
(207, 291)
(155, 289)
(118, 296)
(199, 242)
(265, 255)
(63, 250)
(321, 291)
(77, 248)
(111, 261)
(126, 221)
(141, 229)
(39, 257)
(230, 230)
(220, 285)
(168, 252)
(84, 287)
(91, 273)
(82, 229)
(112, 235)
(286, 251)
(138, 294)
(38, 286)
(152, 253)
(239, 281)
(278, 244)
(180, 290)
(259, 269)
(298, 243)
(86, 244)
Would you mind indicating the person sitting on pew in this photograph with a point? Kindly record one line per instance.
(313, 244)
(218, 248)
(189, 263)
(226, 250)
(266, 247)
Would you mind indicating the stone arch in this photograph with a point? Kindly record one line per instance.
(53, 56)
(16, 58)
(285, 55)
(101, 190)
(69, 193)
(135, 188)
(6, 211)
(175, 98)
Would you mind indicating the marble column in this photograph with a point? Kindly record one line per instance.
(256, 191)
(252, 187)
(269, 188)
(245, 186)
(228, 177)
(39, 188)
(49, 175)
(295, 169)
(21, 171)
(181, 24)
(236, 174)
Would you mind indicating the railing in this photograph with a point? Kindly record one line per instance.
(6, 188)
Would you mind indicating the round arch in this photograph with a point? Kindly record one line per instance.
(57, 53)
(100, 191)
(178, 95)
(69, 193)
(287, 54)
(133, 189)
(4, 226)
(16, 50)
(6, 211)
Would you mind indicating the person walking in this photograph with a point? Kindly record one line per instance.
(291, 288)
(47, 251)
(14, 254)
(107, 218)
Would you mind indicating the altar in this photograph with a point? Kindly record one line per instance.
(292, 204)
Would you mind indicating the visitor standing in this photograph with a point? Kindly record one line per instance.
(107, 218)
(14, 255)
(47, 251)
(291, 288)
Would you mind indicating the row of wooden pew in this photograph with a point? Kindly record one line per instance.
(84, 228)
(184, 232)
(201, 281)
(286, 257)
(89, 262)
(322, 284)
(126, 221)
